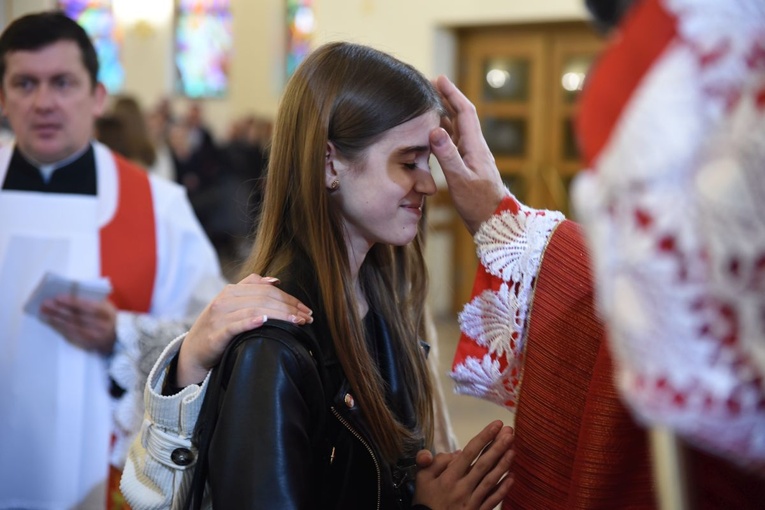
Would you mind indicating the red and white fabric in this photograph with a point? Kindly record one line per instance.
(672, 125)
(489, 359)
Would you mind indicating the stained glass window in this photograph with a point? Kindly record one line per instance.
(300, 28)
(97, 18)
(203, 42)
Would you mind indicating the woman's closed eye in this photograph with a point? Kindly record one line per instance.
(414, 165)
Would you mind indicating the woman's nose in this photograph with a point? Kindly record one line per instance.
(425, 183)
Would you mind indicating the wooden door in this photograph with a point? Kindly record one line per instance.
(572, 51)
(524, 81)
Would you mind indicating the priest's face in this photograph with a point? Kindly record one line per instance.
(50, 101)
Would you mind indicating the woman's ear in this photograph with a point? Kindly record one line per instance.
(331, 166)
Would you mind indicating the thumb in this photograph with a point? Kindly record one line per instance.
(424, 459)
(446, 153)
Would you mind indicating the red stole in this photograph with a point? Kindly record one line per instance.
(129, 259)
(129, 241)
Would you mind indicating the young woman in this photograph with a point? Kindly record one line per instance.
(331, 414)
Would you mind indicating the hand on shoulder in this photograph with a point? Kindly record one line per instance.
(237, 308)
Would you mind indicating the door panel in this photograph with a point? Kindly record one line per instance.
(524, 81)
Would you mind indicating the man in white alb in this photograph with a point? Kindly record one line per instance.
(70, 389)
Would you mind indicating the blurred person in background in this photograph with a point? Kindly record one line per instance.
(129, 111)
(245, 156)
(201, 168)
(110, 130)
(158, 130)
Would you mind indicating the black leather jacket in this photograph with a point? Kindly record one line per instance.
(289, 432)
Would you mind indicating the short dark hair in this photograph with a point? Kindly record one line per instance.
(36, 31)
(607, 14)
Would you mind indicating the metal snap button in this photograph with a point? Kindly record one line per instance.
(182, 456)
(349, 400)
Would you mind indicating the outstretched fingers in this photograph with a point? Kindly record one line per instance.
(471, 479)
(471, 173)
(485, 478)
(465, 459)
(437, 466)
(492, 487)
(464, 119)
(498, 493)
(448, 156)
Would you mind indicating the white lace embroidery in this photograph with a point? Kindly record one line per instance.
(495, 320)
(507, 246)
(482, 378)
(510, 247)
(675, 217)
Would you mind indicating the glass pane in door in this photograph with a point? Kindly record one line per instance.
(573, 75)
(506, 137)
(570, 144)
(505, 79)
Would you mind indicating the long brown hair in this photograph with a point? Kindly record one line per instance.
(137, 142)
(350, 95)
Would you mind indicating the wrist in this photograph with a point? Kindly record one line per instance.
(493, 203)
(188, 372)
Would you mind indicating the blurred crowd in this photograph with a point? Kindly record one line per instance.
(222, 177)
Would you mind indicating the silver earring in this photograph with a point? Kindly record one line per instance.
(334, 185)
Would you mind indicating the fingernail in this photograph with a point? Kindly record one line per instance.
(262, 319)
(297, 320)
(271, 279)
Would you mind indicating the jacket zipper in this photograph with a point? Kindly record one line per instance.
(358, 436)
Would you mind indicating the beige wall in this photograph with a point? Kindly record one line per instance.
(20, 7)
(417, 31)
(413, 30)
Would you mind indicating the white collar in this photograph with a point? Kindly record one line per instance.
(46, 170)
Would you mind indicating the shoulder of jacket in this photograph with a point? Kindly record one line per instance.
(279, 335)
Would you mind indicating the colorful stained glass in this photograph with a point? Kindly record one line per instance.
(203, 43)
(300, 28)
(97, 18)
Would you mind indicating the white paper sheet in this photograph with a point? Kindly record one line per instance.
(52, 285)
